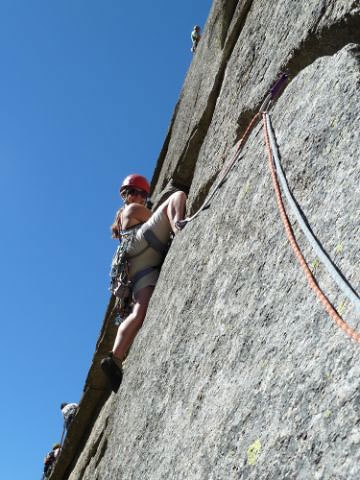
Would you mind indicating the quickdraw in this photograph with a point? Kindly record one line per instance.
(120, 284)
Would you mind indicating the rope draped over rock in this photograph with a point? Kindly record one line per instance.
(277, 172)
(223, 173)
(272, 94)
(296, 249)
(342, 283)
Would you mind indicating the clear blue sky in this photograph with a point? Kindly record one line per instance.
(87, 93)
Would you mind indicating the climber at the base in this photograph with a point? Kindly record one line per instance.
(195, 38)
(50, 459)
(147, 235)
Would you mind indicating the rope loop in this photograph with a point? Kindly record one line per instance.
(296, 249)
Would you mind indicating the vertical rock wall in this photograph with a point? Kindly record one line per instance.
(238, 372)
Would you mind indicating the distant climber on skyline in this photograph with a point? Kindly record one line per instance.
(195, 38)
(145, 237)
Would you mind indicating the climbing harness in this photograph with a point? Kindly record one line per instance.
(120, 284)
(342, 283)
(277, 172)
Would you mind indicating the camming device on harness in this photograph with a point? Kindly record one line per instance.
(120, 284)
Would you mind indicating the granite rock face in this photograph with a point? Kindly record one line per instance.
(245, 45)
(238, 372)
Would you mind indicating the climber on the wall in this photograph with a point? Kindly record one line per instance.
(195, 38)
(69, 411)
(50, 458)
(146, 236)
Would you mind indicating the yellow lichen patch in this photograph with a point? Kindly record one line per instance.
(339, 248)
(315, 265)
(253, 452)
(341, 308)
(247, 188)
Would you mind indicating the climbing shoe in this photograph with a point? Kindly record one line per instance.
(180, 224)
(112, 371)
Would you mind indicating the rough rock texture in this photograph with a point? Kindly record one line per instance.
(245, 45)
(238, 373)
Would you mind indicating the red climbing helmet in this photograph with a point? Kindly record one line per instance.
(136, 181)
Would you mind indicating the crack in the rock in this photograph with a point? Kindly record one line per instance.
(187, 160)
(93, 450)
(202, 194)
(101, 453)
(92, 453)
(164, 149)
(326, 42)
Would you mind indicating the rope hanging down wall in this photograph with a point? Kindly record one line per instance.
(342, 283)
(290, 235)
(270, 97)
(277, 172)
(223, 173)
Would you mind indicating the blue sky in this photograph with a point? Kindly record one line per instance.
(87, 92)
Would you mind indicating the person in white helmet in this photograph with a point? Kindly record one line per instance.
(195, 38)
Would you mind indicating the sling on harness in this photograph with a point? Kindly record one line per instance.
(120, 284)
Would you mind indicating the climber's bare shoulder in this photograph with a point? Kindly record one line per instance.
(133, 214)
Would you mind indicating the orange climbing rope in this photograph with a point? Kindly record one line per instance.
(272, 94)
(228, 166)
(223, 173)
(291, 237)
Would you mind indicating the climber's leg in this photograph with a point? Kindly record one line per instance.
(174, 208)
(111, 365)
(132, 324)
